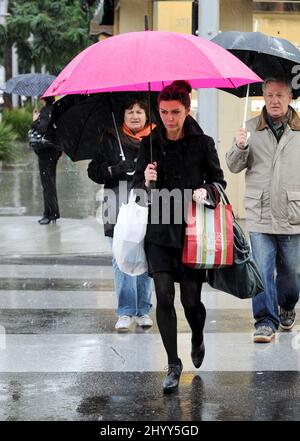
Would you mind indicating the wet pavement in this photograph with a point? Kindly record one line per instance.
(60, 357)
(21, 189)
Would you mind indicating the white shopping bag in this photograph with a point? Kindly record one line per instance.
(129, 235)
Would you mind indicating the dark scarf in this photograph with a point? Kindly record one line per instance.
(276, 126)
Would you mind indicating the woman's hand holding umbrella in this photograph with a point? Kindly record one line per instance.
(150, 174)
(124, 166)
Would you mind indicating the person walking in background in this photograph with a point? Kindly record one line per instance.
(183, 158)
(271, 157)
(133, 292)
(48, 155)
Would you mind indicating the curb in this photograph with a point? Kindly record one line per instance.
(61, 259)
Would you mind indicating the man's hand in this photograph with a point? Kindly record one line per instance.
(241, 138)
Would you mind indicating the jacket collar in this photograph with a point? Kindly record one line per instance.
(293, 122)
(191, 128)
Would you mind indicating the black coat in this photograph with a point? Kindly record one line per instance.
(42, 122)
(189, 163)
(50, 150)
(108, 154)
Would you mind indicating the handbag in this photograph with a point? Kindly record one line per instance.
(129, 235)
(242, 279)
(38, 141)
(208, 241)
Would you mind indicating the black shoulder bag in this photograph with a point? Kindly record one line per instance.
(242, 279)
(39, 142)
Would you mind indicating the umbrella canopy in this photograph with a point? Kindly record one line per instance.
(33, 84)
(266, 56)
(79, 120)
(135, 61)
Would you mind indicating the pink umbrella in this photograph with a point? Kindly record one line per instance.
(137, 61)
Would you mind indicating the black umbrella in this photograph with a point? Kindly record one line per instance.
(266, 56)
(33, 84)
(78, 120)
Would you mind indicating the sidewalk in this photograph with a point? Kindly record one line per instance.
(76, 238)
(24, 241)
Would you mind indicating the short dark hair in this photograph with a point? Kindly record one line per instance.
(282, 80)
(130, 102)
(179, 90)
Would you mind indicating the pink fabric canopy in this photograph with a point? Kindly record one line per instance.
(132, 61)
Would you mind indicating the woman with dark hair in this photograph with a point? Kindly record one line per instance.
(133, 292)
(48, 154)
(185, 162)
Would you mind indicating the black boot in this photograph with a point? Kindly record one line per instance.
(171, 381)
(47, 220)
(197, 354)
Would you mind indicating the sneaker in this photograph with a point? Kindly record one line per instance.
(263, 334)
(123, 323)
(144, 321)
(287, 319)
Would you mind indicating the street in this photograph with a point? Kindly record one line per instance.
(60, 357)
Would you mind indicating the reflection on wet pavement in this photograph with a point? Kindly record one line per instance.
(106, 396)
(21, 191)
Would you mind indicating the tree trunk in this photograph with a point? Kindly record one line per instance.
(8, 74)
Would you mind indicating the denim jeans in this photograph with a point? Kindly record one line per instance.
(278, 258)
(133, 292)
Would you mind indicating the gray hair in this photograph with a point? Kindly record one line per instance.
(284, 81)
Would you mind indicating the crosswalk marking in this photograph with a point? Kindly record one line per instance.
(144, 353)
(101, 299)
(82, 272)
(111, 352)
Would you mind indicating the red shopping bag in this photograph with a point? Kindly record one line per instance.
(208, 239)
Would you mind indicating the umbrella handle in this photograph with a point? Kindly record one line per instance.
(119, 142)
(248, 133)
(245, 112)
(246, 107)
(118, 136)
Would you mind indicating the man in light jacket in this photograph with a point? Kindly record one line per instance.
(271, 157)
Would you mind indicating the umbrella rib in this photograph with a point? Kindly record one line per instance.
(232, 83)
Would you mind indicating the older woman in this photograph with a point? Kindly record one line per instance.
(183, 159)
(133, 292)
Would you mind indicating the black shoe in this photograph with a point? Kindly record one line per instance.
(197, 354)
(47, 220)
(171, 381)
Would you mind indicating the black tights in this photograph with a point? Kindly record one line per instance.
(190, 295)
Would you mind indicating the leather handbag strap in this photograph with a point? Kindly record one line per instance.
(221, 191)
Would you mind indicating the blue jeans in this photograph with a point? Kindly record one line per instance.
(278, 258)
(133, 292)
